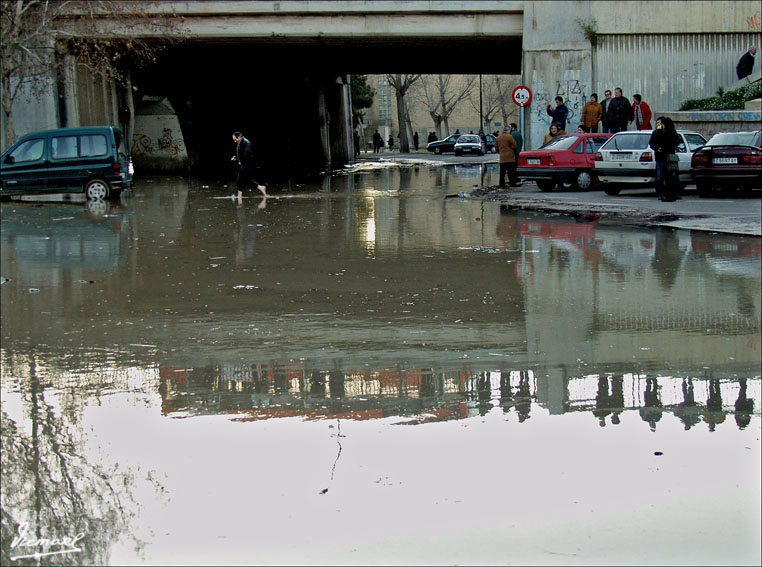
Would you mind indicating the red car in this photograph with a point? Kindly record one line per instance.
(566, 161)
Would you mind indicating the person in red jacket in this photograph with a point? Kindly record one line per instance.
(642, 113)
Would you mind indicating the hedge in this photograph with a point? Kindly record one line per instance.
(730, 100)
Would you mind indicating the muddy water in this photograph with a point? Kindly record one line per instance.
(190, 377)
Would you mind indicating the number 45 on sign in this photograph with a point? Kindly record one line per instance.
(522, 95)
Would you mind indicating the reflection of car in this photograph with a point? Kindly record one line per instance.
(563, 160)
(626, 159)
(729, 160)
(446, 145)
(470, 143)
(91, 159)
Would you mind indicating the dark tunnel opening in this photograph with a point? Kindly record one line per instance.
(270, 91)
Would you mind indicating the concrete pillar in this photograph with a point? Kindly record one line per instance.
(324, 119)
(557, 62)
(342, 147)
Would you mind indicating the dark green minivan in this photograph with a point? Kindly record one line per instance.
(91, 159)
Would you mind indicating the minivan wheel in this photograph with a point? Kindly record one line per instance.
(613, 191)
(97, 189)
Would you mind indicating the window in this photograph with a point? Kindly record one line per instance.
(92, 145)
(64, 147)
(594, 144)
(580, 148)
(31, 150)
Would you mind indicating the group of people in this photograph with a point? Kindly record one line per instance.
(613, 114)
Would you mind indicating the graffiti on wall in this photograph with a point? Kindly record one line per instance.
(570, 89)
(755, 21)
(166, 145)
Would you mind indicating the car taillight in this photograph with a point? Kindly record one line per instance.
(551, 161)
(753, 159)
(598, 157)
(646, 156)
(699, 159)
(117, 169)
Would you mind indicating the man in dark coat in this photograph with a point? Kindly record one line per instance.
(621, 111)
(558, 114)
(244, 157)
(746, 63)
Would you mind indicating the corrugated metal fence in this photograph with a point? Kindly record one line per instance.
(668, 69)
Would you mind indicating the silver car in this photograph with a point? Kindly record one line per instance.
(470, 143)
(627, 161)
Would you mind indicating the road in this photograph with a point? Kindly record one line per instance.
(734, 214)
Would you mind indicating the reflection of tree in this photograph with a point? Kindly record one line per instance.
(49, 487)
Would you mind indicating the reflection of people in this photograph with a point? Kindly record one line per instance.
(651, 411)
(609, 403)
(244, 157)
(667, 257)
(688, 411)
(245, 235)
(744, 406)
(506, 147)
(714, 415)
(746, 64)
(523, 397)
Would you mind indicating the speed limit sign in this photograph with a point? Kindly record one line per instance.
(522, 95)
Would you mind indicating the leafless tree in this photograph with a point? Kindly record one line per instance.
(496, 98)
(401, 84)
(105, 35)
(441, 95)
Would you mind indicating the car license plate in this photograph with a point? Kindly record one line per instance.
(533, 161)
(621, 157)
(725, 160)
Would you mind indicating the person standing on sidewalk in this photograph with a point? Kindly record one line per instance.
(642, 113)
(664, 141)
(621, 109)
(591, 114)
(506, 147)
(607, 118)
(518, 137)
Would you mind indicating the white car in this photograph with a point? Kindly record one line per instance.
(627, 161)
(470, 143)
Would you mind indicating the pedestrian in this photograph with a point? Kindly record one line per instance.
(506, 147)
(415, 141)
(591, 114)
(642, 113)
(244, 158)
(558, 114)
(357, 142)
(552, 133)
(621, 110)
(517, 136)
(378, 143)
(664, 141)
(391, 143)
(432, 137)
(746, 64)
(607, 118)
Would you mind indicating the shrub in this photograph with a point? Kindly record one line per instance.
(728, 100)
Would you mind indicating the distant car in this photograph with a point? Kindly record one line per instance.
(92, 160)
(446, 145)
(490, 143)
(565, 161)
(470, 144)
(729, 160)
(627, 161)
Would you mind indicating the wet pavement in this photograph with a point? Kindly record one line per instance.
(367, 370)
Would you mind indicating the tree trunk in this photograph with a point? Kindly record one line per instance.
(401, 114)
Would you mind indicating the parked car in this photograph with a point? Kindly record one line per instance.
(446, 145)
(490, 143)
(470, 143)
(93, 160)
(627, 161)
(729, 160)
(565, 161)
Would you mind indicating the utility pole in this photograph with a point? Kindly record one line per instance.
(481, 118)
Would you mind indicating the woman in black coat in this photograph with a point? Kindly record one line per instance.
(664, 141)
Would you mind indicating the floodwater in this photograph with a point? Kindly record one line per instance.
(365, 370)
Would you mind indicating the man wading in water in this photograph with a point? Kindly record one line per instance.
(244, 157)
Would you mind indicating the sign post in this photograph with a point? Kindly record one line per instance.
(522, 96)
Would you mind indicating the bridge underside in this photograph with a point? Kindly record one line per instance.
(270, 89)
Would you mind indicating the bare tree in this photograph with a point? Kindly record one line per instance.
(104, 35)
(441, 95)
(496, 92)
(401, 84)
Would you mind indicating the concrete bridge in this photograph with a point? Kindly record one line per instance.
(279, 71)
